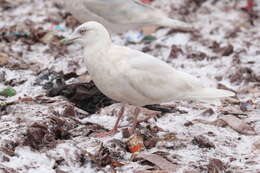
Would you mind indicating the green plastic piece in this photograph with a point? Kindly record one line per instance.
(8, 92)
(149, 38)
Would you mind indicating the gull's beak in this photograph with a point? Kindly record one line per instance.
(69, 39)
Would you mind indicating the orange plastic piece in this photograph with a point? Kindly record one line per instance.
(136, 148)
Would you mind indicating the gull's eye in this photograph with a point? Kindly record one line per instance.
(82, 31)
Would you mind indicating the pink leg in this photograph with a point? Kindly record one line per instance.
(149, 113)
(136, 113)
(114, 130)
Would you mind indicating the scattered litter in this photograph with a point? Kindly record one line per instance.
(135, 144)
(8, 92)
(202, 142)
(134, 37)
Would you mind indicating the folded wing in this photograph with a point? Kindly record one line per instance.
(159, 82)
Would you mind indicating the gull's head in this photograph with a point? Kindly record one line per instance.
(88, 33)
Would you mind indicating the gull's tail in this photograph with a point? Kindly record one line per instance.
(210, 95)
(175, 24)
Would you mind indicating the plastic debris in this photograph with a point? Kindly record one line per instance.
(8, 92)
(136, 144)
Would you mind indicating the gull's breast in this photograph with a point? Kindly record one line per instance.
(114, 85)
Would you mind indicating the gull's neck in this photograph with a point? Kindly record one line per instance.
(95, 57)
(97, 47)
(95, 53)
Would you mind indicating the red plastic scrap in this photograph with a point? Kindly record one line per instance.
(146, 1)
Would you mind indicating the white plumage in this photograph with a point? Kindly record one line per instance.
(133, 77)
(121, 15)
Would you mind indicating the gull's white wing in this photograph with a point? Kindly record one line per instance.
(120, 15)
(159, 82)
(80, 11)
(154, 78)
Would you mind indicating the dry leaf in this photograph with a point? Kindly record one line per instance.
(256, 146)
(218, 122)
(3, 59)
(116, 163)
(160, 162)
(216, 166)
(233, 112)
(238, 125)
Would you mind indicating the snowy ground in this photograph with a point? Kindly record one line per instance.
(46, 134)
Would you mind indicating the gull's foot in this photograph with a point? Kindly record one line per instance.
(149, 114)
(106, 134)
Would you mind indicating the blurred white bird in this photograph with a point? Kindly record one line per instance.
(133, 77)
(121, 15)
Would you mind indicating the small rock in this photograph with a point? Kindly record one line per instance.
(199, 56)
(150, 143)
(188, 123)
(126, 133)
(215, 46)
(219, 78)
(211, 133)
(175, 52)
(244, 107)
(215, 166)
(147, 49)
(2, 76)
(117, 148)
(69, 111)
(228, 50)
(202, 142)
(208, 112)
